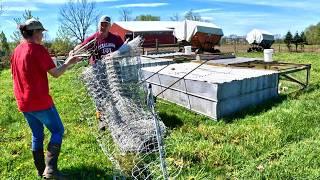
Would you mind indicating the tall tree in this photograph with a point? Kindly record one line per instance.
(303, 40)
(296, 40)
(125, 15)
(313, 34)
(147, 17)
(77, 17)
(288, 40)
(4, 48)
(61, 46)
(191, 15)
(16, 36)
(4, 42)
(175, 17)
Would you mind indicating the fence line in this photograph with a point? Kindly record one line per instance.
(242, 48)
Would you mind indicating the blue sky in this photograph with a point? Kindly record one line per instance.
(233, 16)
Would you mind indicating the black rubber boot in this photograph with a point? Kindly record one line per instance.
(102, 125)
(38, 159)
(51, 171)
(101, 121)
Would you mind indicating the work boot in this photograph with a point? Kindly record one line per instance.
(102, 125)
(101, 122)
(51, 171)
(38, 159)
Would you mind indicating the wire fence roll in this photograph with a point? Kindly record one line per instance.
(121, 114)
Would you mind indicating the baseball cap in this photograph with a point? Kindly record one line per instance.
(34, 24)
(105, 19)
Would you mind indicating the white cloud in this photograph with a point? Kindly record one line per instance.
(53, 1)
(21, 8)
(306, 4)
(205, 10)
(201, 11)
(208, 18)
(140, 5)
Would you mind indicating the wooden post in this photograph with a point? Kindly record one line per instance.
(157, 45)
(308, 76)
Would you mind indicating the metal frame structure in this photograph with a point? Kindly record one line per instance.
(284, 69)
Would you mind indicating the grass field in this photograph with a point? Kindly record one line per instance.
(242, 48)
(277, 140)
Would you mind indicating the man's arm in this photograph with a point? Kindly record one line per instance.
(90, 38)
(77, 47)
(58, 71)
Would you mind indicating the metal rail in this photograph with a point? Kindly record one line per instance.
(158, 133)
(284, 69)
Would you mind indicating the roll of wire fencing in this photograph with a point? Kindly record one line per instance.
(134, 135)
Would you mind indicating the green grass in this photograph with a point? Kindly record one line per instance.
(277, 140)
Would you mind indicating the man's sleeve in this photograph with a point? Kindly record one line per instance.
(46, 61)
(90, 38)
(119, 42)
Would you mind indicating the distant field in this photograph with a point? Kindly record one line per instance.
(242, 48)
(277, 140)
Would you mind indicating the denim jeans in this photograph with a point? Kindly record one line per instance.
(49, 118)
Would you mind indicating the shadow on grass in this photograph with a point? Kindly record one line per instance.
(170, 120)
(311, 88)
(78, 173)
(271, 103)
(255, 110)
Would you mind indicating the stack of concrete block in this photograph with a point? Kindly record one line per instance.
(213, 91)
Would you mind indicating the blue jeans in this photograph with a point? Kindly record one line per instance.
(51, 119)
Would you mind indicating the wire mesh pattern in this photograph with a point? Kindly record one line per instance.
(134, 136)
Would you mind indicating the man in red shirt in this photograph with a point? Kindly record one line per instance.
(30, 63)
(106, 42)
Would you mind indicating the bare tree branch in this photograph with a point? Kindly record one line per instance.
(175, 17)
(1, 8)
(125, 15)
(77, 17)
(191, 15)
(16, 36)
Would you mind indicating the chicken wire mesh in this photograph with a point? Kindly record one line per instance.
(113, 96)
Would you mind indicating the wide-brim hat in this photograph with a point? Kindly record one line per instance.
(34, 24)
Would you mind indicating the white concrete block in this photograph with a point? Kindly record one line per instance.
(214, 91)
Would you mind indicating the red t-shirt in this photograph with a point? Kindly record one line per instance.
(104, 46)
(30, 63)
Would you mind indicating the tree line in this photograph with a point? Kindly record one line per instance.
(78, 18)
(126, 15)
(310, 36)
(296, 40)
